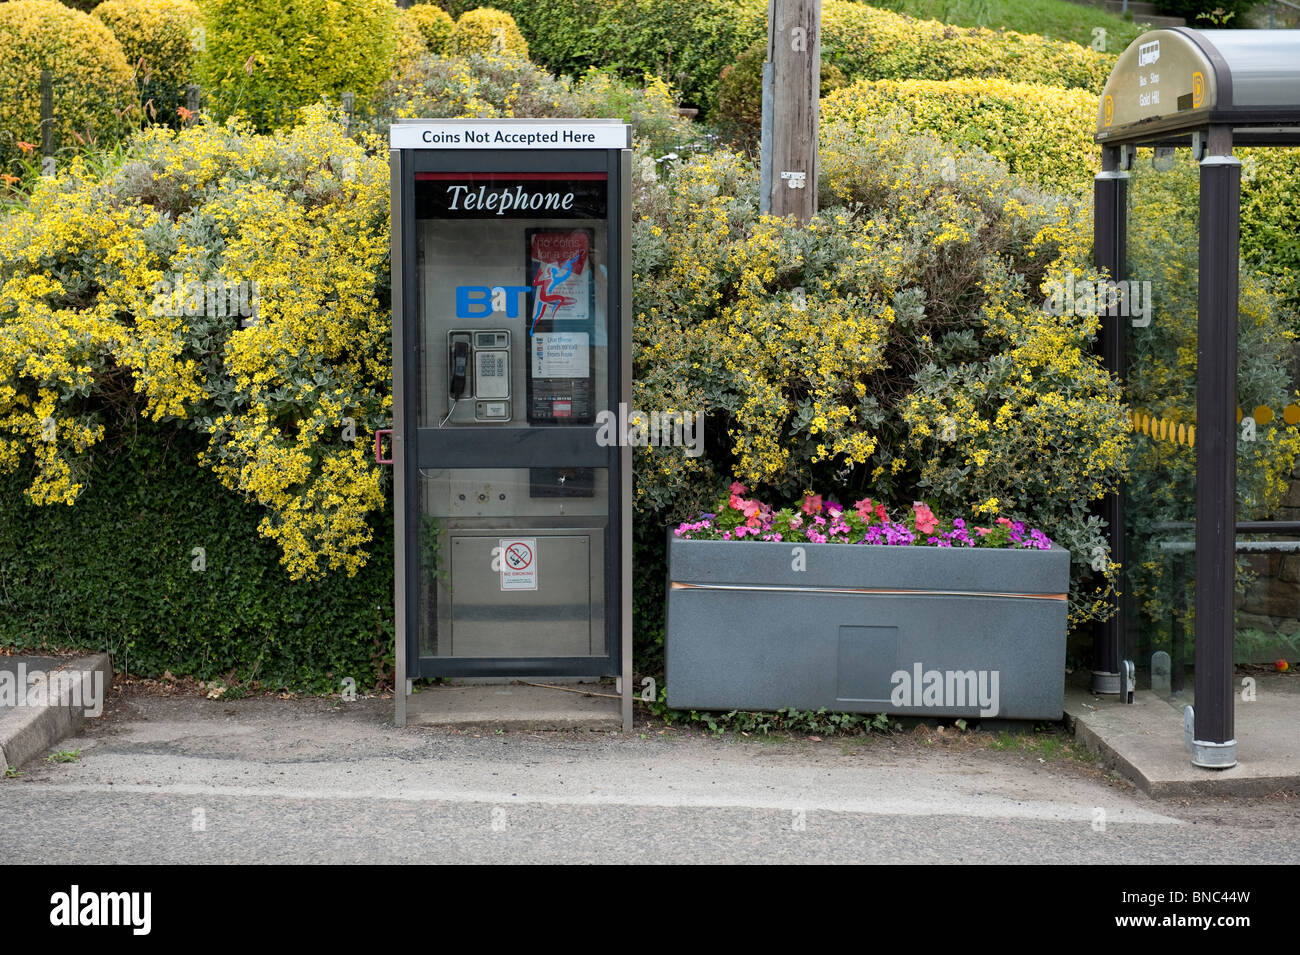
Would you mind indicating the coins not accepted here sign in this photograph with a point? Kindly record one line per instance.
(519, 563)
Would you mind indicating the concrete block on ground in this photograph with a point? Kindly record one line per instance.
(1144, 740)
(516, 706)
(68, 695)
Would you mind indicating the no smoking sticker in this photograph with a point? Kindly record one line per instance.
(519, 564)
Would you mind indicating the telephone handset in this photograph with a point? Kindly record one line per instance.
(459, 368)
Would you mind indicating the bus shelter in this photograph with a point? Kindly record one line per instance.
(1203, 343)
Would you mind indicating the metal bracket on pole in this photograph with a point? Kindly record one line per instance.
(1200, 145)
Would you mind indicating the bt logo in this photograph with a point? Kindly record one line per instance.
(479, 301)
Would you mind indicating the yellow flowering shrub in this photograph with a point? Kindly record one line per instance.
(898, 347)
(90, 73)
(691, 43)
(435, 25)
(158, 36)
(1270, 216)
(1042, 133)
(410, 45)
(488, 30)
(112, 287)
(263, 59)
(1045, 134)
(868, 43)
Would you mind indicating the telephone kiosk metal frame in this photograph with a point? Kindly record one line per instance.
(511, 284)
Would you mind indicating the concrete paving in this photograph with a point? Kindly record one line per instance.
(1145, 740)
(185, 779)
(516, 706)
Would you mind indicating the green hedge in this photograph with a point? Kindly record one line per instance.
(1270, 217)
(114, 572)
(263, 58)
(1210, 14)
(689, 43)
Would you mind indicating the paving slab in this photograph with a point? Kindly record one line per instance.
(1144, 740)
(516, 706)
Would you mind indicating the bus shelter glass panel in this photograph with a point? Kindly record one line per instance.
(1159, 574)
(1160, 492)
(513, 293)
(1267, 616)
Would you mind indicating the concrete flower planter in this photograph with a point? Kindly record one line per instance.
(921, 631)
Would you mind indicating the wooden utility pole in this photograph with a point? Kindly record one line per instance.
(792, 84)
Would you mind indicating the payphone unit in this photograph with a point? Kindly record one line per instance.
(511, 333)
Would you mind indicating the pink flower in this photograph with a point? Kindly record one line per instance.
(812, 503)
(737, 488)
(796, 522)
(981, 531)
(737, 502)
(866, 508)
(926, 522)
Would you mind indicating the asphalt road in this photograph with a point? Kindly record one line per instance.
(185, 780)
